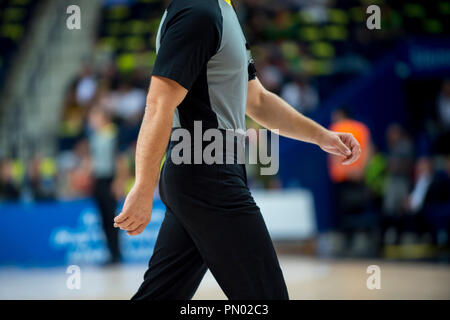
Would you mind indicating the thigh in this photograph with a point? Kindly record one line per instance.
(240, 254)
(176, 268)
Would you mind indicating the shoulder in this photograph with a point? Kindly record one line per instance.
(199, 11)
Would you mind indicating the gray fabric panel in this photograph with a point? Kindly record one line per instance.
(158, 35)
(227, 73)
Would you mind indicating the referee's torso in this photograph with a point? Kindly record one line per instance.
(200, 45)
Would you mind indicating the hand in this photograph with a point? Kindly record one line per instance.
(341, 144)
(136, 212)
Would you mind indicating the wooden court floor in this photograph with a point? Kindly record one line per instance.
(306, 278)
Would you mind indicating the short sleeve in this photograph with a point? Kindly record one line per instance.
(251, 65)
(191, 37)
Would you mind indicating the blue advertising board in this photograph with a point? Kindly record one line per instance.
(66, 232)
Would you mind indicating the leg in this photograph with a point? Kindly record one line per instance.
(216, 208)
(240, 254)
(175, 268)
(106, 204)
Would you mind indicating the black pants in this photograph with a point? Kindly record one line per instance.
(106, 203)
(211, 222)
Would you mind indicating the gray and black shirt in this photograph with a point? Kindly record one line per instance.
(200, 45)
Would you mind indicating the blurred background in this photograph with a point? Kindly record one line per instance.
(71, 103)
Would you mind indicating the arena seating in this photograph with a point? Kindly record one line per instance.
(311, 39)
(15, 17)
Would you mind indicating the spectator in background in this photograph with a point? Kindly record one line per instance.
(75, 171)
(269, 71)
(414, 223)
(129, 110)
(107, 97)
(351, 194)
(301, 95)
(73, 120)
(423, 178)
(255, 179)
(125, 101)
(437, 203)
(400, 165)
(124, 179)
(86, 86)
(9, 190)
(42, 178)
(130, 103)
(103, 145)
(442, 145)
(443, 104)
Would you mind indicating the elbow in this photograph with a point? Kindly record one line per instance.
(154, 104)
(159, 110)
(263, 96)
(257, 101)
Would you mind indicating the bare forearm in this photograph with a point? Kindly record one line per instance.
(271, 111)
(151, 145)
(275, 113)
(163, 97)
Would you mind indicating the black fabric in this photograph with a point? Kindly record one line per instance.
(196, 106)
(251, 65)
(106, 204)
(176, 267)
(251, 71)
(211, 222)
(191, 36)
